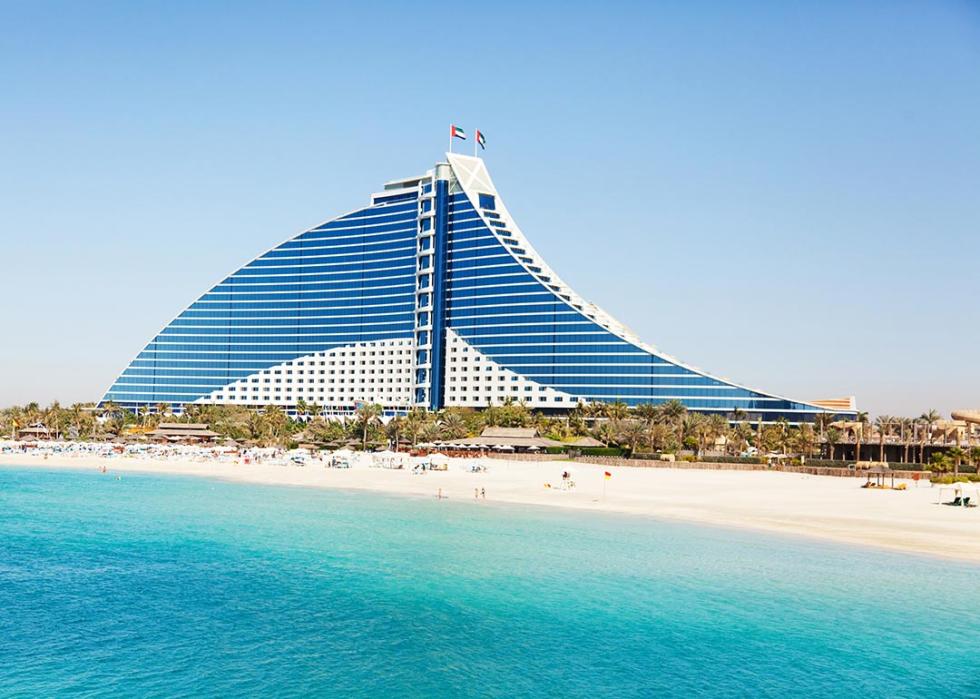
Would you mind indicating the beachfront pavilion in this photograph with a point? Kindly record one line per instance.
(183, 433)
(517, 439)
(33, 432)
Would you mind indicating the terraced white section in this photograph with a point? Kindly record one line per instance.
(474, 380)
(375, 372)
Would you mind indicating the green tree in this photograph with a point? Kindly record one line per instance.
(862, 421)
(302, 409)
(939, 462)
(883, 424)
(452, 425)
(804, 439)
(275, 422)
(833, 439)
(367, 416)
(956, 454)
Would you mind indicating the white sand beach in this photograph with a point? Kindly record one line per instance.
(815, 506)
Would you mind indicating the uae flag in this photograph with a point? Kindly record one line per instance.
(456, 132)
(481, 139)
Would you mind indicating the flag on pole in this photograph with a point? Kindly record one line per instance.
(456, 132)
(481, 139)
(608, 475)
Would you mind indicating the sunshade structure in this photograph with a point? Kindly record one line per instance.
(878, 474)
(506, 439)
(960, 490)
(36, 431)
(585, 442)
(186, 432)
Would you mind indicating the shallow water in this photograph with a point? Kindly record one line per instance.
(165, 586)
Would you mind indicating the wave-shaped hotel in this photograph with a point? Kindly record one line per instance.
(429, 296)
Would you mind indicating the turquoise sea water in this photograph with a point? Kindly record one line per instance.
(156, 586)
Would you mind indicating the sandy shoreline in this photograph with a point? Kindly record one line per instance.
(834, 509)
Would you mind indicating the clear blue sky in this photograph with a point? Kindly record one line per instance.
(786, 194)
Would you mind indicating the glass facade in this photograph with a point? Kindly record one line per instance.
(348, 281)
(430, 258)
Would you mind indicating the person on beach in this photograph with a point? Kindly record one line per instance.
(476, 493)
(483, 493)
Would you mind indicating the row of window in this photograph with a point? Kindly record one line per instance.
(313, 253)
(294, 312)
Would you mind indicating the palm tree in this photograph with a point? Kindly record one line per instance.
(672, 413)
(630, 432)
(452, 425)
(823, 421)
(415, 423)
(368, 414)
(275, 421)
(862, 420)
(975, 457)
(76, 415)
(302, 409)
(906, 426)
(742, 437)
(782, 424)
(805, 439)
(618, 410)
(717, 427)
(883, 424)
(957, 454)
(393, 430)
(661, 436)
(928, 421)
(647, 412)
(833, 437)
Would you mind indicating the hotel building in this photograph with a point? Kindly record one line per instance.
(431, 295)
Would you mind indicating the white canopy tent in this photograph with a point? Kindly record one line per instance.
(960, 490)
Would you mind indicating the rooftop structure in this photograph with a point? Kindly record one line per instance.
(520, 438)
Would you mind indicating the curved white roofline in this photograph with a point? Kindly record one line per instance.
(474, 179)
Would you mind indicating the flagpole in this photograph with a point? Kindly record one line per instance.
(476, 137)
(450, 139)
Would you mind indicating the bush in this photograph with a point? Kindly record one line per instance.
(736, 459)
(585, 451)
(601, 451)
(950, 479)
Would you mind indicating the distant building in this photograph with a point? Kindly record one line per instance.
(33, 432)
(429, 296)
(837, 405)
